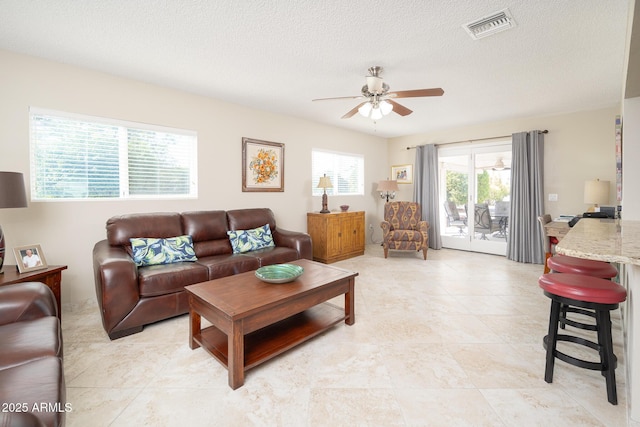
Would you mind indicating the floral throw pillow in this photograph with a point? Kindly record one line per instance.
(250, 240)
(157, 251)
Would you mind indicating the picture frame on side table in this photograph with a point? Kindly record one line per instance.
(262, 165)
(402, 173)
(29, 258)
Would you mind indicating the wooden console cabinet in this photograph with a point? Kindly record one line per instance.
(336, 235)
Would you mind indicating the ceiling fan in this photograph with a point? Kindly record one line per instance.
(379, 101)
(500, 166)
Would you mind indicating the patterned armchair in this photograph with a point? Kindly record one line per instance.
(403, 228)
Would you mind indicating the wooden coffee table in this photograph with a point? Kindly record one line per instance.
(253, 321)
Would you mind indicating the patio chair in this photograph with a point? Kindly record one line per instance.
(483, 222)
(453, 217)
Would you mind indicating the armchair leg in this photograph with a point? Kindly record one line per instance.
(386, 250)
(424, 252)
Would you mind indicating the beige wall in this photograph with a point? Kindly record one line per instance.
(578, 147)
(67, 231)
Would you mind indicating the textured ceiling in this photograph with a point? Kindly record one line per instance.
(278, 55)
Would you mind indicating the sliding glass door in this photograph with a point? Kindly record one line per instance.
(475, 181)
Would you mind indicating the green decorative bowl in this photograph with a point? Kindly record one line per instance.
(279, 273)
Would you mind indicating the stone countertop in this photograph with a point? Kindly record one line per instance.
(604, 240)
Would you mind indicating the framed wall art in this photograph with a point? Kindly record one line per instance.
(262, 165)
(402, 173)
(29, 258)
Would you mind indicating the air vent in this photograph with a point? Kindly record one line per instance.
(491, 24)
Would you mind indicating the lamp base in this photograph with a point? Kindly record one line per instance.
(325, 208)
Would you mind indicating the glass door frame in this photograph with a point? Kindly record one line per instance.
(470, 240)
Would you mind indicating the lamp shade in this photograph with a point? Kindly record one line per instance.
(12, 193)
(596, 192)
(325, 182)
(389, 185)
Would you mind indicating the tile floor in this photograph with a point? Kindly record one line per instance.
(452, 341)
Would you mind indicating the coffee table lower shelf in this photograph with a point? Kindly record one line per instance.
(272, 340)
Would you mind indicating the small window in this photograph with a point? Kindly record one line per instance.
(84, 157)
(346, 172)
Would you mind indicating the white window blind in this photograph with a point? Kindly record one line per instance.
(84, 157)
(346, 172)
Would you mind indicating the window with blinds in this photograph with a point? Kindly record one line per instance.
(84, 157)
(346, 172)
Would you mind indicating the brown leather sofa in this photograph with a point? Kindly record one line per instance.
(131, 297)
(32, 387)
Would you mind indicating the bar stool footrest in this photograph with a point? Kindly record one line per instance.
(576, 324)
(581, 363)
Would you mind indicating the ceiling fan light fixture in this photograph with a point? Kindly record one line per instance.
(385, 107)
(376, 113)
(365, 109)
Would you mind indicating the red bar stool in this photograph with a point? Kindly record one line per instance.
(587, 267)
(591, 293)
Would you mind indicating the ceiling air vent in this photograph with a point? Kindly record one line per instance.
(490, 24)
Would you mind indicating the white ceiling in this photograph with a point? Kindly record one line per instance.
(278, 55)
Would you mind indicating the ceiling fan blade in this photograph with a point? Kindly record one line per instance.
(399, 109)
(339, 97)
(353, 110)
(436, 91)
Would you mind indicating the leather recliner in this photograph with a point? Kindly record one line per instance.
(32, 382)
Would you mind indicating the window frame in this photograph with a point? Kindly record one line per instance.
(335, 173)
(124, 153)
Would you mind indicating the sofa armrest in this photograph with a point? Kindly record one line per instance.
(299, 241)
(26, 301)
(116, 281)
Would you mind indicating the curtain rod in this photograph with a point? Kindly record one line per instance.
(474, 140)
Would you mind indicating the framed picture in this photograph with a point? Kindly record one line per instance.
(262, 165)
(402, 173)
(29, 258)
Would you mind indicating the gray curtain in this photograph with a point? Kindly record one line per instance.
(527, 198)
(425, 190)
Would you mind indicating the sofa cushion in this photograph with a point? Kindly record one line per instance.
(158, 251)
(122, 228)
(275, 255)
(229, 264)
(165, 279)
(246, 219)
(40, 382)
(29, 340)
(250, 240)
(208, 229)
(405, 236)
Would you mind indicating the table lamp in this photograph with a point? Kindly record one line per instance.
(12, 195)
(388, 189)
(596, 193)
(325, 183)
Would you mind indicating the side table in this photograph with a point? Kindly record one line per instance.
(50, 276)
